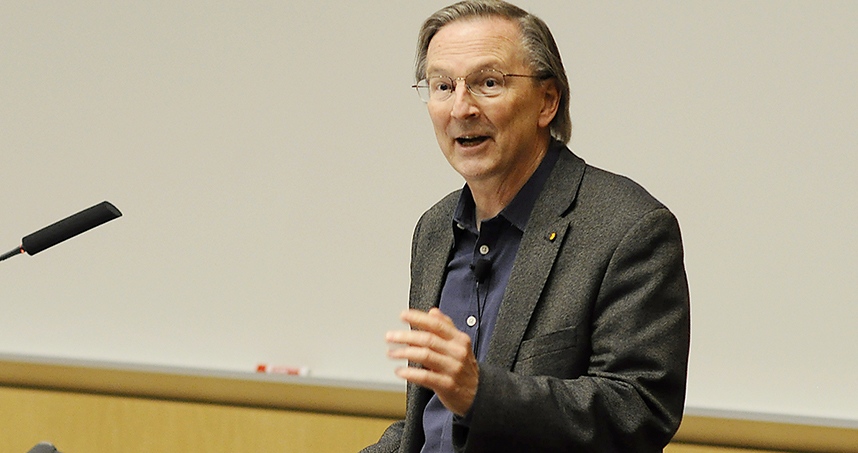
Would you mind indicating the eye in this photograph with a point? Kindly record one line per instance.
(489, 83)
(440, 84)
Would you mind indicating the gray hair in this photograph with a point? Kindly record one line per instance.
(543, 55)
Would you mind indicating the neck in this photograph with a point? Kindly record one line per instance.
(493, 194)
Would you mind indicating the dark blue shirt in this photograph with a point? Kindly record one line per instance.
(474, 305)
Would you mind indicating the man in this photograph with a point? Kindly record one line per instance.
(549, 304)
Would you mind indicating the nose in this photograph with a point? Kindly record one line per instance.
(463, 101)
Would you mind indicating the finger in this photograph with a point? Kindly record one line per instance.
(426, 358)
(434, 321)
(412, 337)
(456, 391)
(423, 377)
(436, 312)
(456, 347)
(449, 360)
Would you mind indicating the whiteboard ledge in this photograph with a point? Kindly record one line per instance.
(208, 386)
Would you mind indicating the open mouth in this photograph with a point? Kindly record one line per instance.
(472, 140)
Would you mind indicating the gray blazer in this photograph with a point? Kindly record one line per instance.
(590, 349)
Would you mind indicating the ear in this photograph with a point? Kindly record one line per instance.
(551, 102)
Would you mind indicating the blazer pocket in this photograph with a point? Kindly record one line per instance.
(555, 354)
(546, 344)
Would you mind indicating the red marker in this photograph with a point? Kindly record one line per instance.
(279, 369)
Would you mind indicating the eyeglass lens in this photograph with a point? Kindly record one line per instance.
(487, 82)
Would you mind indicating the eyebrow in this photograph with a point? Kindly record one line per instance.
(482, 67)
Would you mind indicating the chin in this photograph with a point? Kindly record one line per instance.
(473, 170)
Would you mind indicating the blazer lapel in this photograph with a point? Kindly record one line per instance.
(545, 232)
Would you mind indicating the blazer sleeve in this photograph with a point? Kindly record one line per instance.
(630, 395)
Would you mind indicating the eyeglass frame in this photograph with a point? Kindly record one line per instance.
(454, 84)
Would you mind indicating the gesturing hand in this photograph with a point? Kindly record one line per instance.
(447, 362)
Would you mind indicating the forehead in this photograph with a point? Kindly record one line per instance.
(475, 43)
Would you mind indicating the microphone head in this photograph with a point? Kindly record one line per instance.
(482, 269)
(69, 227)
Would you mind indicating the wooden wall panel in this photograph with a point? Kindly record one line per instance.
(78, 423)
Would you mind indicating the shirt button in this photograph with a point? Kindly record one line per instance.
(460, 226)
(471, 321)
(484, 249)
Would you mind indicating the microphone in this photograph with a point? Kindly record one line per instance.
(67, 228)
(482, 269)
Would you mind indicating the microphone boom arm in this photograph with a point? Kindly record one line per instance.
(12, 253)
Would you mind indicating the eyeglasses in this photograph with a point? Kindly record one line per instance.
(483, 83)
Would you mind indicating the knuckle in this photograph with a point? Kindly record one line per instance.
(424, 355)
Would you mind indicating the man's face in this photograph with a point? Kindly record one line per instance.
(489, 138)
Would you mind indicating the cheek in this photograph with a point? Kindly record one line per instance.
(438, 117)
(504, 112)
(521, 117)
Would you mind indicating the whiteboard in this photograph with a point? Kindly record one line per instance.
(271, 160)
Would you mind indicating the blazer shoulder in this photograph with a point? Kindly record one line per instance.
(440, 214)
(433, 227)
(609, 205)
(593, 191)
(616, 194)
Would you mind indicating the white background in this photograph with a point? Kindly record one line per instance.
(271, 159)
